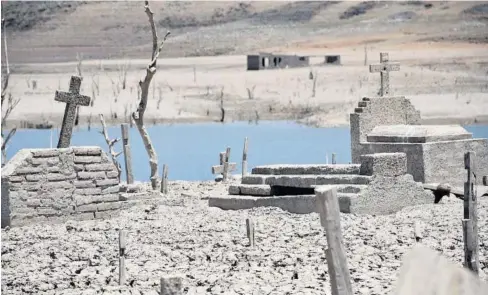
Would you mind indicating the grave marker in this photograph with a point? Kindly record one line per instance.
(470, 224)
(72, 100)
(384, 68)
(225, 167)
(244, 158)
(127, 153)
(330, 219)
(164, 180)
(122, 245)
(250, 231)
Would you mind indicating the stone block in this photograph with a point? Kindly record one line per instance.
(485, 180)
(47, 212)
(292, 181)
(28, 170)
(255, 190)
(100, 167)
(88, 191)
(111, 190)
(84, 183)
(109, 206)
(91, 175)
(33, 203)
(35, 177)
(234, 190)
(254, 179)
(59, 176)
(28, 186)
(106, 182)
(86, 208)
(45, 153)
(306, 169)
(87, 151)
(16, 178)
(384, 164)
(112, 174)
(87, 159)
(84, 199)
(54, 169)
(49, 161)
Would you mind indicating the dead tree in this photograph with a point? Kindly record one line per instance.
(138, 115)
(111, 143)
(8, 102)
(222, 110)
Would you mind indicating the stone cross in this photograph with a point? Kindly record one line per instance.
(72, 100)
(225, 167)
(384, 68)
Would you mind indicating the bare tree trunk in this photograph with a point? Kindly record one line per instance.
(111, 143)
(138, 115)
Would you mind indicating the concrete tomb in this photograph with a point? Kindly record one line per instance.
(379, 185)
(56, 185)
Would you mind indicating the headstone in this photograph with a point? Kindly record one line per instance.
(72, 100)
(384, 68)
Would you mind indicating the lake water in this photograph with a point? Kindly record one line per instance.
(190, 150)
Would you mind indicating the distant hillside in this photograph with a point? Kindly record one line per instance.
(49, 31)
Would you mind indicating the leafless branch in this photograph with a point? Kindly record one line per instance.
(110, 143)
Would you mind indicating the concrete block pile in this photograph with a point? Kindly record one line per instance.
(379, 185)
(54, 185)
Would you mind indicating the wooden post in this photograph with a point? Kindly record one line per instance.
(417, 231)
(171, 286)
(334, 158)
(226, 164)
(250, 231)
(470, 221)
(244, 158)
(122, 245)
(164, 180)
(328, 207)
(127, 153)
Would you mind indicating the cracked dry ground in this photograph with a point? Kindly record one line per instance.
(208, 247)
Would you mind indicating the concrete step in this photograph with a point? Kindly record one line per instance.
(307, 169)
(358, 110)
(302, 204)
(366, 99)
(305, 181)
(362, 104)
(267, 190)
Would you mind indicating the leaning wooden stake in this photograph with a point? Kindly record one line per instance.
(127, 153)
(122, 245)
(250, 231)
(226, 164)
(164, 180)
(470, 221)
(171, 286)
(328, 207)
(244, 158)
(138, 115)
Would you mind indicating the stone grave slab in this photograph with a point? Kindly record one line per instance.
(417, 133)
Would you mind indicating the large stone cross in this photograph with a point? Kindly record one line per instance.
(72, 100)
(384, 68)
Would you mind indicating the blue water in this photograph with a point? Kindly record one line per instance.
(190, 150)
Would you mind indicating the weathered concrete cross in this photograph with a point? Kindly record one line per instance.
(384, 68)
(225, 167)
(72, 100)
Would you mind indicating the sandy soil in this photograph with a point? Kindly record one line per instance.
(447, 83)
(208, 247)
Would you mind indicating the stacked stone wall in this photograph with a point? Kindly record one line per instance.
(58, 184)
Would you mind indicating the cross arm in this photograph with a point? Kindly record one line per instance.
(71, 98)
(390, 67)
